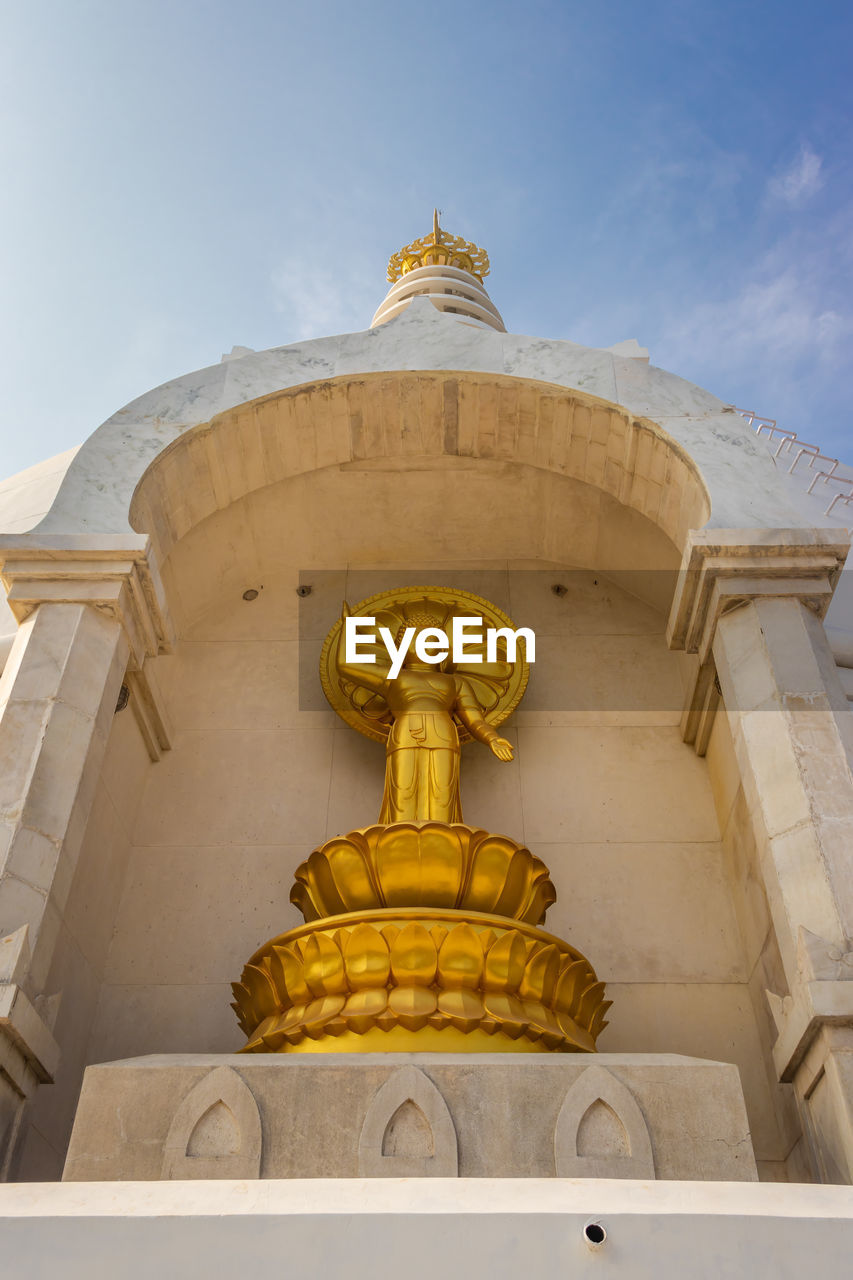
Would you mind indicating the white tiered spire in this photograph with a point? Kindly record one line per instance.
(447, 270)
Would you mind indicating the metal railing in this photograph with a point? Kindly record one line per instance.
(791, 446)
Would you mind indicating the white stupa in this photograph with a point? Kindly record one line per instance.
(682, 762)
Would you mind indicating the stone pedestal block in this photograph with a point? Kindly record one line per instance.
(641, 1116)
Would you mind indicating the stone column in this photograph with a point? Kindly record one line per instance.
(87, 611)
(773, 661)
(751, 609)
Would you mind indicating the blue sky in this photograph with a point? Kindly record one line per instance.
(182, 177)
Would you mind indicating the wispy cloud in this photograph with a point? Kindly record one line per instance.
(801, 180)
(680, 176)
(772, 320)
(317, 301)
(784, 329)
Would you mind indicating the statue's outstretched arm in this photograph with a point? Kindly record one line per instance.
(470, 713)
(368, 675)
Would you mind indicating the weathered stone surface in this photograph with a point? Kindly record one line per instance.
(329, 1116)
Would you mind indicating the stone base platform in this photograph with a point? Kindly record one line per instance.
(639, 1116)
(468, 1229)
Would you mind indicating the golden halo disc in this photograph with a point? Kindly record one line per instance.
(498, 687)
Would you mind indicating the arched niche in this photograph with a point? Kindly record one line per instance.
(601, 1131)
(408, 1131)
(215, 1132)
(306, 478)
(406, 467)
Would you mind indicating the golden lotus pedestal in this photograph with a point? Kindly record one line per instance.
(420, 936)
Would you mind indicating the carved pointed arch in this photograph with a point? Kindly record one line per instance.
(216, 1131)
(601, 1131)
(408, 1131)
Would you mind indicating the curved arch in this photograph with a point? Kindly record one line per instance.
(408, 1131)
(406, 416)
(601, 1131)
(216, 1131)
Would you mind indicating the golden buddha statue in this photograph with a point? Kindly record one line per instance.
(422, 753)
(421, 932)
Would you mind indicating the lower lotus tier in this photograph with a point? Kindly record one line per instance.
(400, 979)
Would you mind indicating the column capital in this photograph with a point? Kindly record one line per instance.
(28, 1052)
(116, 574)
(821, 996)
(721, 568)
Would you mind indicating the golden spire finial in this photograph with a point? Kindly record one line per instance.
(439, 250)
